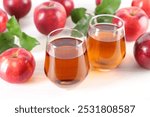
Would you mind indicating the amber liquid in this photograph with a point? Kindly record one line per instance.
(67, 64)
(106, 49)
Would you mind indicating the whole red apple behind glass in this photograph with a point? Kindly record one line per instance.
(143, 4)
(136, 22)
(68, 5)
(16, 65)
(49, 16)
(142, 50)
(18, 8)
(3, 20)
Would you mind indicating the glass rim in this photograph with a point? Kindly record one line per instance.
(82, 38)
(108, 15)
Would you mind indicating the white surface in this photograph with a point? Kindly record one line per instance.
(128, 84)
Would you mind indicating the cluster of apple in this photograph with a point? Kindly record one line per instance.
(45, 23)
(136, 19)
(17, 64)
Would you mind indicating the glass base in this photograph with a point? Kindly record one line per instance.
(67, 84)
(103, 68)
(100, 69)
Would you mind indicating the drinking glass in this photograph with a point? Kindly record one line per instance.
(106, 42)
(66, 60)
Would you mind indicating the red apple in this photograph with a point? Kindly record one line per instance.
(142, 50)
(98, 2)
(68, 5)
(3, 20)
(16, 65)
(49, 16)
(136, 22)
(144, 4)
(18, 8)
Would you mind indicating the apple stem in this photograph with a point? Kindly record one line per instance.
(51, 5)
(15, 55)
(133, 13)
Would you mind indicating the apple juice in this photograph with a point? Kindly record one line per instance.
(67, 64)
(106, 49)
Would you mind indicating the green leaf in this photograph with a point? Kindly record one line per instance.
(28, 42)
(7, 36)
(14, 27)
(7, 46)
(77, 14)
(83, 24)
(104, 19)
(107, 7)
(6, 41)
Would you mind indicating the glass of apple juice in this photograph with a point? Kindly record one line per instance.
(106, 42)
(66, 61)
